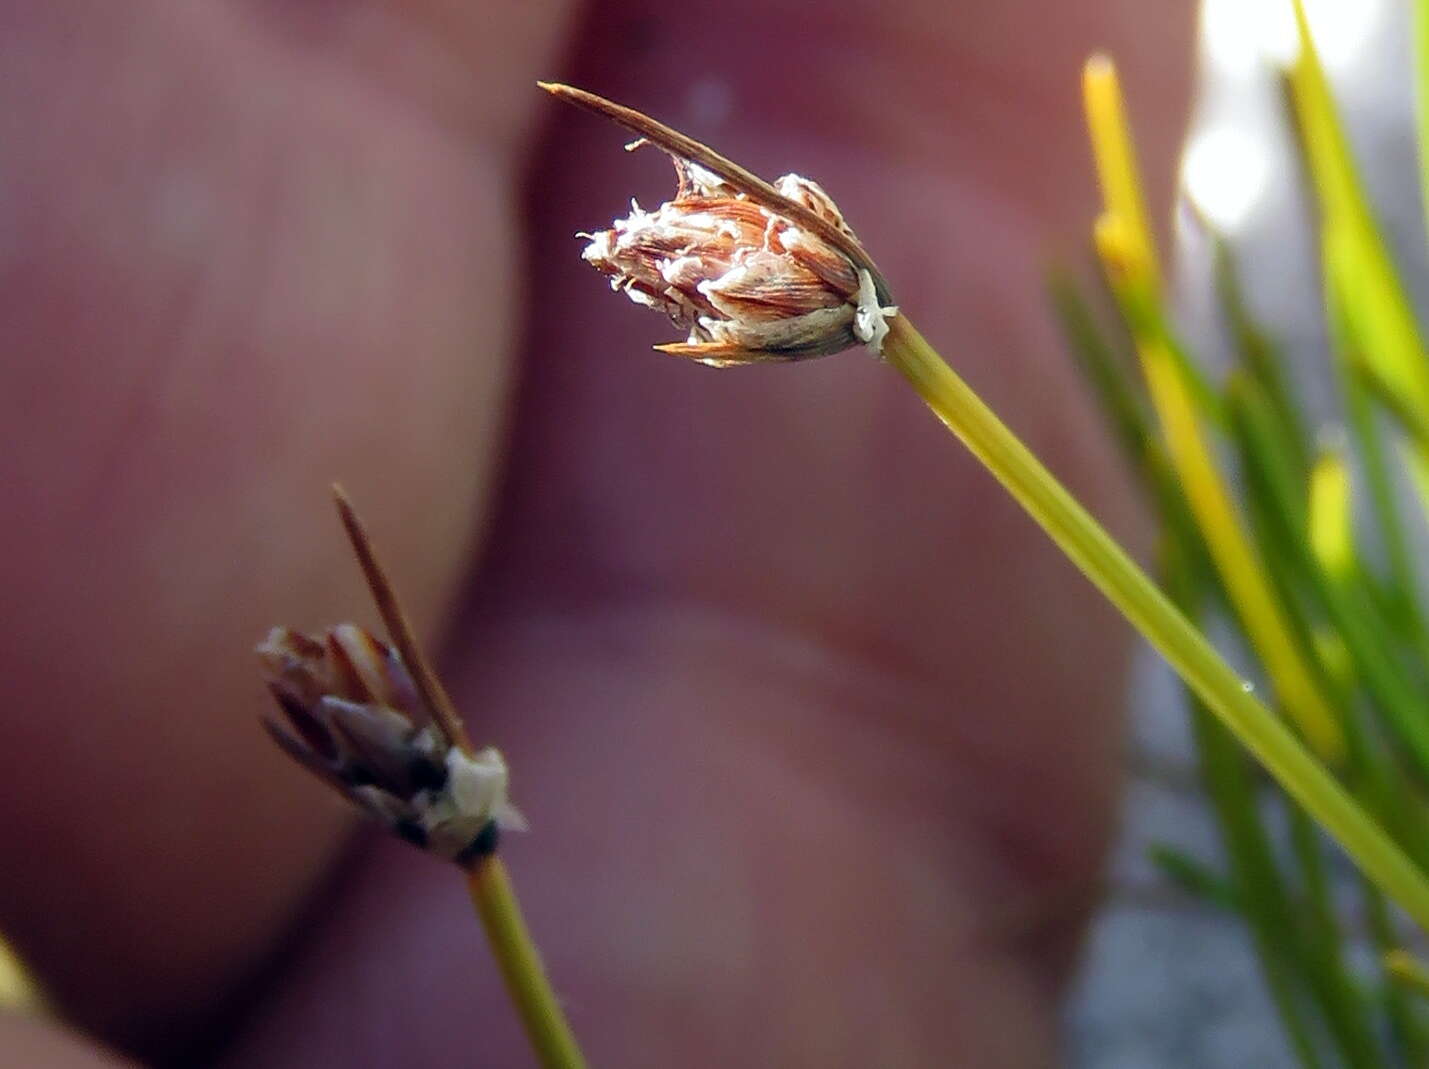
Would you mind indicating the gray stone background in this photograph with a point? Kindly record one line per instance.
(1168, 983)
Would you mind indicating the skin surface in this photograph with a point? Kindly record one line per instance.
(816, 733)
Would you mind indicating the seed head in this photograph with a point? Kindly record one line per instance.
(359, 724)
(752, 271)
(747, 284)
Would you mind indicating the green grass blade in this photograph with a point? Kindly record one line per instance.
(1421, 94)
(1405, 1023)
(1280, 506)
(1256, 884)
(1372, 293)
(1365, 432)
(1338, 995)
(1260, 358)
(1110, 378)
(1197, 879)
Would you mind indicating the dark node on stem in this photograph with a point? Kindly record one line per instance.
(484, 845)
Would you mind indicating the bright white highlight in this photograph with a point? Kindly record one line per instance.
(1225, 173)
(870, 321)
(1243, 35)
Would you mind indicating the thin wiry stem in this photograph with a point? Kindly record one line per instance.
(487, 880)
(1084, 541)
(399, 629)
(1132, 591)
(521, 968)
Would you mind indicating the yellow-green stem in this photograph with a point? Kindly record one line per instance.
(1133, 592)
(521, 967)
(1407, 970)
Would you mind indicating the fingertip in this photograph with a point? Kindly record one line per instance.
(41, 1044)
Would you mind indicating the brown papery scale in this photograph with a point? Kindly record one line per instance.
(752, 271)
(748, 285)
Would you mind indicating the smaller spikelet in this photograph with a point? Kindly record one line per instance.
(355, 719)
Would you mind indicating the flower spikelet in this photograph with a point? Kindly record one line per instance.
(747, 283)
(356, 720)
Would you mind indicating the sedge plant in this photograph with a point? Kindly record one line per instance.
(1345, 598)
(1257, 531)
(1255, 507)
(372, 721)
